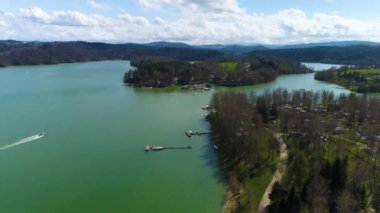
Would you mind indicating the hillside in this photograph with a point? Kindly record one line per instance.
(35, 53)
(350, 55)
(331, 44)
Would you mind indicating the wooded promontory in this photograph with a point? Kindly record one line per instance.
(227, 72)
(362, 80)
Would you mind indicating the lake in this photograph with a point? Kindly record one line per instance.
(92, 157)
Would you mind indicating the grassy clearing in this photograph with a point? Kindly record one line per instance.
(229, 65)
(258, 185)
(255, 187)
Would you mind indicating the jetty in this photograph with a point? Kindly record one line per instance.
(190, 133)
(160, 148)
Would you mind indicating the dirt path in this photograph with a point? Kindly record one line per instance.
(281, 168)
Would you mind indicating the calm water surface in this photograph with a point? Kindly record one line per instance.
(92, 158)
(320, 66)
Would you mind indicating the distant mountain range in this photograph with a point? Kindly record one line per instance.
(29, 53)
(330, 44)
(165, 44)
(236, 49)
(349, 55)
(228, 49)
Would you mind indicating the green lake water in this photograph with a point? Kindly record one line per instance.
(92, 157)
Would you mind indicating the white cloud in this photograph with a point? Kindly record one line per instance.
(217, 6)
(62, 18)
(159, 21)
(203, 22)
(2, 22)
(98, 6)
(74, 18)
(35, 14)
(206, 6)
(135, 20)
(153, 4)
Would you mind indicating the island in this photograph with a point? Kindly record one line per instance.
(362, 80)
(153, 72)
(299, 151)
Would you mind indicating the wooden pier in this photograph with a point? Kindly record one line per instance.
(178, 147)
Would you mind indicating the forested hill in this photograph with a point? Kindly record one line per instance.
(350, 55)
(36, 53)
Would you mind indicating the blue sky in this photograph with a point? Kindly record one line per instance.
(191, 21)
(363, 9)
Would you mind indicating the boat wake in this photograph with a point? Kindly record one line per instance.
(22, 141)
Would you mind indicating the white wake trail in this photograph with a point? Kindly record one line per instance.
(22, 141)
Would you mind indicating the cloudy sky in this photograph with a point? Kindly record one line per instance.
(191, 21)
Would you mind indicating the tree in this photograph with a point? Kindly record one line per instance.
(263, 109)
(274, 111)
(319, 205)
(376, 199)
(298, 170)
(318, 188)
(277, 193)
(294, 201)
(339, 174)
(346, 203)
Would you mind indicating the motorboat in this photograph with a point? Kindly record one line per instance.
(189, 133)
(158, 148)
(215, 147)
(148, 148)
